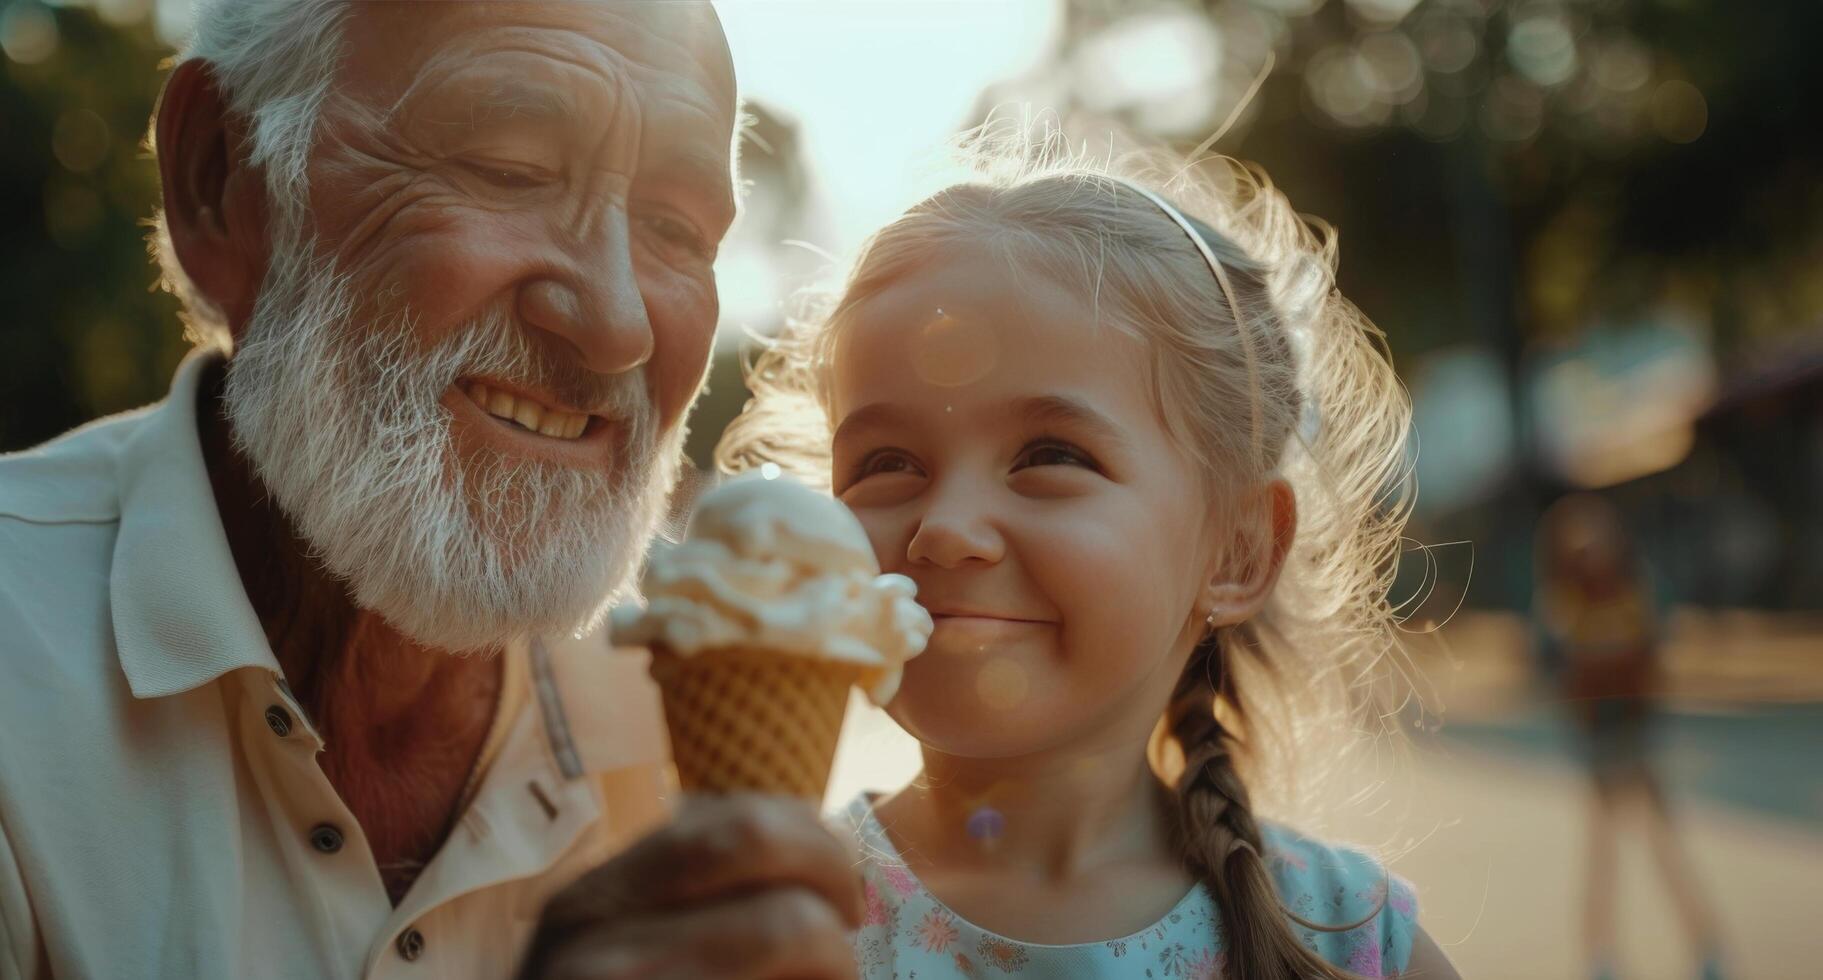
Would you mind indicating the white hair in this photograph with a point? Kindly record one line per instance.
(275, 61)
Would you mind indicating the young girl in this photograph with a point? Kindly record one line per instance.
(1143, 463)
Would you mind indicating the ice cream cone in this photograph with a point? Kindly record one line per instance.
(759, 622)
(753, 720)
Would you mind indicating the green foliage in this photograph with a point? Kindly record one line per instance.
(86, 334)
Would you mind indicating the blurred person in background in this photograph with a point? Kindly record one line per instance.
(1599, 627)
(274, 703)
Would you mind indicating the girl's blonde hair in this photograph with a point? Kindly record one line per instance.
(1271, 373)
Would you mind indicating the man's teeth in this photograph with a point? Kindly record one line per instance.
(527, 414)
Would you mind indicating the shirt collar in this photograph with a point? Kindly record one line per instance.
(181, 615)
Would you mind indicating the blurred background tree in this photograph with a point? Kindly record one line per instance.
(88, 334)
(1583, 223)
(1589, 227)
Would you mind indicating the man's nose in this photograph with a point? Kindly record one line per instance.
(591, 299)
(957, 529)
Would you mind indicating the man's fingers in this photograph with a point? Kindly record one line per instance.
(780, 934)
(714, 848)
(735, 887)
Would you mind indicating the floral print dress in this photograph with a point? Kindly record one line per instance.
(908, 934)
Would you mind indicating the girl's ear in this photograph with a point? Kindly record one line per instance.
(1250, 568)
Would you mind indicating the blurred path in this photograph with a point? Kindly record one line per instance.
(1496, 850)
(1760, 757)
(1500, 877)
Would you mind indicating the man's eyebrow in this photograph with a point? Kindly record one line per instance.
(1065, 411)
(494, 99)
(507, 98)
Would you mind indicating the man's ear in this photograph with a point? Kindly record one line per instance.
(1240, 586)
(214, 199)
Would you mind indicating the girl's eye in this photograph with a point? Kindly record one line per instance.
(882, 462)
(1054, 453)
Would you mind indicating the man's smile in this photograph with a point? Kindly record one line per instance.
(525, 411)
(519, 422)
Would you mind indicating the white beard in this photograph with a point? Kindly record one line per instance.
(342, 423)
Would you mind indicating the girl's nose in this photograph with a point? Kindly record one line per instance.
(956, 531)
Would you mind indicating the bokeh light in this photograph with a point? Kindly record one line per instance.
(1382, 11)
(1514, 110)
(123, 12)
(1679, 113)
(1346, 87)
(1623, 402)
(1160, 66)
(1621, 63)
(81, 140)
(28, 32)
(1463, 427)
(1541, 47)
(1448, 42)
(952, 352)
(72, 213)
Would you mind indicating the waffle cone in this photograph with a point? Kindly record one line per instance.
(753, 720)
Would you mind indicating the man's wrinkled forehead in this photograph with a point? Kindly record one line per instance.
(670, 54)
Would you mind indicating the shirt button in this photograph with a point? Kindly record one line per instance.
(279, 720)
(326, 838)
(411, 944)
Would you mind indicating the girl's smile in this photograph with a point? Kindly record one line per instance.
(976, 633)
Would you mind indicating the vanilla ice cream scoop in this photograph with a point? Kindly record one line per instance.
(769, 564)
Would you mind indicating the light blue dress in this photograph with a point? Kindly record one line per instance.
(908, 934)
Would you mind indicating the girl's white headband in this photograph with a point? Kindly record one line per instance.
(1215, 266)
(1202, 247)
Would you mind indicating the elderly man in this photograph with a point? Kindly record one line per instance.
(272, 702)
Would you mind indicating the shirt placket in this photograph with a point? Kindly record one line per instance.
(347, 895)
(526, 818)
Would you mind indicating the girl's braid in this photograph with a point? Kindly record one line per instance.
(1220, 837)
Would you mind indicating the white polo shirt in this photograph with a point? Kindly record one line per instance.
(162, 813)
